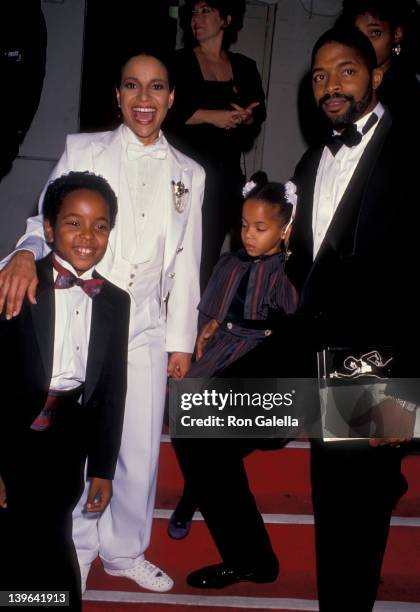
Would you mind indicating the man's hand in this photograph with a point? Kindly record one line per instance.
(394, 424)
(179, 364)
(207, 331)
(100, 492)
(18, 278)
(3, 496)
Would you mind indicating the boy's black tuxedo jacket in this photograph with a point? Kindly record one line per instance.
(27, 345)
(360, 289)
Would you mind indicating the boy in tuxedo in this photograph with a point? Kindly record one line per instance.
(63, 364)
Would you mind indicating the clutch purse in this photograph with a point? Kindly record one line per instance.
(351, 382)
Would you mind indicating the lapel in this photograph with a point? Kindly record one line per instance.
(341, 234)
(43, 315)
(301, 243)
(176, 221)
(101, 325)
(106, 161)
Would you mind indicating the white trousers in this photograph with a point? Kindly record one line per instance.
(122, 533)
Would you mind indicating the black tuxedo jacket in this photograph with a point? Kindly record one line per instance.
(26, 361)
(360, 288)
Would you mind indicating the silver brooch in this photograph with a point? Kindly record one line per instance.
(179, 194)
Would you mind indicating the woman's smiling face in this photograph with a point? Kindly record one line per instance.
(144, 96)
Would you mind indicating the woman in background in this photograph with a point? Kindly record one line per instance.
(218, 111)
(392, 27)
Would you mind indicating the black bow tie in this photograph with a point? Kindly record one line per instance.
(350, 136)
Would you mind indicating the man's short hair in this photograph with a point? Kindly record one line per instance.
(348, 37)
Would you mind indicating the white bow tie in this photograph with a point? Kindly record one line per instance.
(137, 151)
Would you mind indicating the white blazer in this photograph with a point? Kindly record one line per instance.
(101, 153)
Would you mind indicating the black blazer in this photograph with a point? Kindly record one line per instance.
(360, 288)
(26, 361)
(205, 142)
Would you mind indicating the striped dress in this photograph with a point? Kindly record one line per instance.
(242, 295)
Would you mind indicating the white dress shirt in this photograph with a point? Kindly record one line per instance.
(333, 176)
(73, 312)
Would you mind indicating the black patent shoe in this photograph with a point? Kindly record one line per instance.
(222, 575)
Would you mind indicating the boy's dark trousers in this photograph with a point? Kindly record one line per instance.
(44, 479)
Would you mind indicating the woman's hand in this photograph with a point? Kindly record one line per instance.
(206, 333)
(246, 115)
(18, 278)
(222, 119)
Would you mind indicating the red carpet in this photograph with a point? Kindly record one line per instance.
(282, 488)
(280, 480)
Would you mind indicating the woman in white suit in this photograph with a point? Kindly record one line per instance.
(154, 254)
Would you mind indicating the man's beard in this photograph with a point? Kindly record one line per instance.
(354, 112)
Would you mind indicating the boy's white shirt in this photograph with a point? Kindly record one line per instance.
(73, 313)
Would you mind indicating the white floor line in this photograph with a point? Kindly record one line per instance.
(297, 519)
(220, 601)
(293, 444)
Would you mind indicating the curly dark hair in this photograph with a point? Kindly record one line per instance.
(58, 189)
(233, 8)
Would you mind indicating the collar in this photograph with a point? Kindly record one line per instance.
(129, 137)
(360, 123)
(85, 276)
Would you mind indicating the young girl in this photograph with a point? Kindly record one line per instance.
(246, 292)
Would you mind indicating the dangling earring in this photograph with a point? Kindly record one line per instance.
(396, 49)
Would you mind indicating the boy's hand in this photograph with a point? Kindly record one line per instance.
(206, 333)
(100, 492)
(3, 496)
(179, 364)
(18, 278)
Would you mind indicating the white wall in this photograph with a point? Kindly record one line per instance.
(295, 34)
(57, 115)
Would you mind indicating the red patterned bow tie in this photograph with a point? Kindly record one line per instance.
(66, 279)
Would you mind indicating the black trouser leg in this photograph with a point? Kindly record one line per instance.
(217, 474)
(354, 489)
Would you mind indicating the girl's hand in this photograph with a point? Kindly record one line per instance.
(3, 496)
(206, 333)
(100, 492)
(179, 364)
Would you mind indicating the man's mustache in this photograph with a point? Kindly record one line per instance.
(334, 96)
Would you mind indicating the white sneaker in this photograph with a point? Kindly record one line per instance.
(146, 575)
(84, 573)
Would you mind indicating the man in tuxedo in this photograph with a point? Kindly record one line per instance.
(353, 258)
